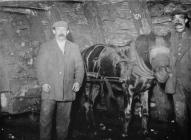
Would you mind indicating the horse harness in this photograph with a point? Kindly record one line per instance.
(137, 67)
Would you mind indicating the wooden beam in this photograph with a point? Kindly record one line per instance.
(95, 23)
(141, 16)
(104, 1)
(43, 0)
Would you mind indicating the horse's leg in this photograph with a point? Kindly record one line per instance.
(145, 111)
(94, 93)
(109, 95)
(102, 95)
(89, 99)
(128, 109)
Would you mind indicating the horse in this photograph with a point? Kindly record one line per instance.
(130, 70)
(107, 68)
(151, 65)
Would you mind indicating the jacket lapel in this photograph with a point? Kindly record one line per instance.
(66, 49)
(185, 46)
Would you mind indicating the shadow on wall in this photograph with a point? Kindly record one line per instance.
(4, 84)
(69, 37)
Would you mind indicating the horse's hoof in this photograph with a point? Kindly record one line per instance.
(172, 121)
(102, 126)
(109, 129)
(124, 135)
(154, 131)
(143, 132)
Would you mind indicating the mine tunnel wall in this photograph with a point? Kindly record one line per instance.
(22, 34)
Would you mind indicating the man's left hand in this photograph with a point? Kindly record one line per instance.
(76, 87)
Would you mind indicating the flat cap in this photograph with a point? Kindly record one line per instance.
(60, 24)
(180, 10)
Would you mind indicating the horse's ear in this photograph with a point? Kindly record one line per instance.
(129, 43)
(127, 52)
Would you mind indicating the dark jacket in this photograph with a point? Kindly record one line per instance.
(181, 49)
(59, 70)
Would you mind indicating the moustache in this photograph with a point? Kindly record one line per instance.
(178, 24)
(61, 35)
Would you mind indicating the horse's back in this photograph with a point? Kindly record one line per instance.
(102, 59)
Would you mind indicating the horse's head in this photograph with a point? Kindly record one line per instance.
(156, 55)
(160, 61)
(123, 65)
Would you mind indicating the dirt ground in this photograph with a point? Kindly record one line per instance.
(108, 127)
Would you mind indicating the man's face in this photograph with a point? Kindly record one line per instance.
(179, 22)
(60, 33)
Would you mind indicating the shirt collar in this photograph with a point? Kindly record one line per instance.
(61, 45)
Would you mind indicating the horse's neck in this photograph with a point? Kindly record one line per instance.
(139, 83)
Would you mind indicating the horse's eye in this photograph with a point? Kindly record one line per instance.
(168, 69)
(161, 68)
(157, 69)
(126, 52)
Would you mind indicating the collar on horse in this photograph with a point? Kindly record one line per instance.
(140, 67)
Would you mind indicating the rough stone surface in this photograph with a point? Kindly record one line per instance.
(117, 23)
(22, 34)
(20, 38)
(18, 47)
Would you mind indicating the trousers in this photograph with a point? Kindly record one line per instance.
(62, 116)
(181, 111)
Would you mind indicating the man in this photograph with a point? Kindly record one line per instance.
(60, 71)
(181, 62)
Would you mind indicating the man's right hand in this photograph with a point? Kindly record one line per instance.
(46, 87)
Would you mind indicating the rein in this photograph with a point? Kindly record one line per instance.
(139, 66)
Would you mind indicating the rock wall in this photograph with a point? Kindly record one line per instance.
(22, 31)
(118, 24)
(19, 44)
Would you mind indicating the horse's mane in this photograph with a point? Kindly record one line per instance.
(105, 58)
(145, 42)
